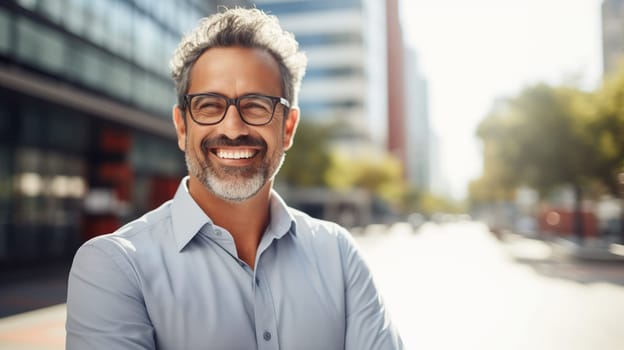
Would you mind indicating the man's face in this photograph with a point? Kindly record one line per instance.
(232, 159)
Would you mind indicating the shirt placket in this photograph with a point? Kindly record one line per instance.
(265, 318)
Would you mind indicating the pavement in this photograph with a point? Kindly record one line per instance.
(32, 307)
(591, 249)
(42, 329)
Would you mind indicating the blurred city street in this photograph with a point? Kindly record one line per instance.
(455, 286)
(448, 286)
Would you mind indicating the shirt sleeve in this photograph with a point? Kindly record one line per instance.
(368, 322)
(105, 308)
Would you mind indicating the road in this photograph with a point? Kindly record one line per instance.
(455, 286)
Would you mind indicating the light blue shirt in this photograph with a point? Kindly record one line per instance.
(172, 280)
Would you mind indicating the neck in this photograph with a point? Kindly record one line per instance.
(246, 220)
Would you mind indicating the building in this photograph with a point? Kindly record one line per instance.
(612, 34)
(396, 82)
(86, 139)
(418, 129)
(345, 81)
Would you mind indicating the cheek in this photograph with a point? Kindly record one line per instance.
(193, 143)
(276, 139)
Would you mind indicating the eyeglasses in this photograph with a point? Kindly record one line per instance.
(210, 108)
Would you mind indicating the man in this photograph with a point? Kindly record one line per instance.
(226, 264)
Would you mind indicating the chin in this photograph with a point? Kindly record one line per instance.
(236, 191)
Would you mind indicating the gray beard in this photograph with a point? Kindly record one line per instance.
(233, 184)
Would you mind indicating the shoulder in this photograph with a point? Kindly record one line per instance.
(122, 256)
(322, 233)
(319, 228)
(148, 230)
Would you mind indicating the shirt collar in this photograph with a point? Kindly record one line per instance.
(188, 218)
(282, 220)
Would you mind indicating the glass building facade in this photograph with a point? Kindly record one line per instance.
(345, 82)
(86, 139)
(612, 34)
(335, 53)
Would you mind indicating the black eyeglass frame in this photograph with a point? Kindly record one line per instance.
(235, 102)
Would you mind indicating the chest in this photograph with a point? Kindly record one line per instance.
(210, 300)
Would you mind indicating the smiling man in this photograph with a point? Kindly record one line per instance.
(226, 264)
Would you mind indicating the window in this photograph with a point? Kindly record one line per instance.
(52, 9)
(143, 35)
(154, 58)
(5, 31)
(66, 131)
(31, 130)
(169, 13)
(323, 39)
(95, 22)
(120, 38)
(165, 96)
(85, 64)
(29, 4)
(309, 5)
(153, 93)
(332, 72)
(74, 18)
(118, 81)
(151, 155)
(33, 40)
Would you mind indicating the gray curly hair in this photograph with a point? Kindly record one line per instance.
(250, 28)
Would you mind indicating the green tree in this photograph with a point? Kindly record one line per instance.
(313, 162)
(542, 139)
(609, 128)
(609, 134)
(381, 176)
(308, 160)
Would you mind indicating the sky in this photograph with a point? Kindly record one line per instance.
(473, 52)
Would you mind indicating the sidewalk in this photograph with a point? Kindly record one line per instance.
(592, 249)
(32, 309)
(42, 329)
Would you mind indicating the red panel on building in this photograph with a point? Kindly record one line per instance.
(115, 141)
(561, 222)
(162, 189)
(396, 82)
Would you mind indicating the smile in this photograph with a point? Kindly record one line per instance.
(235, 154)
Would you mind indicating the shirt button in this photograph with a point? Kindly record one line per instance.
(266, 335)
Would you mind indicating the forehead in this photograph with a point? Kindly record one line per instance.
(234, 71)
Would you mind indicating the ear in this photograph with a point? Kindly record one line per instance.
(290, 127)
(180, 126)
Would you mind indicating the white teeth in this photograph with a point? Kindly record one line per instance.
(238, 154)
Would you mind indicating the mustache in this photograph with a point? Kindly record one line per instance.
(244, 140)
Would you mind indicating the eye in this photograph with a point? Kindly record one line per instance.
(207, 104)
(256, 104)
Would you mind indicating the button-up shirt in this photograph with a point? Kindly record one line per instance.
(172, 279)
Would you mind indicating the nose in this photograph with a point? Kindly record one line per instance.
(233, 125)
